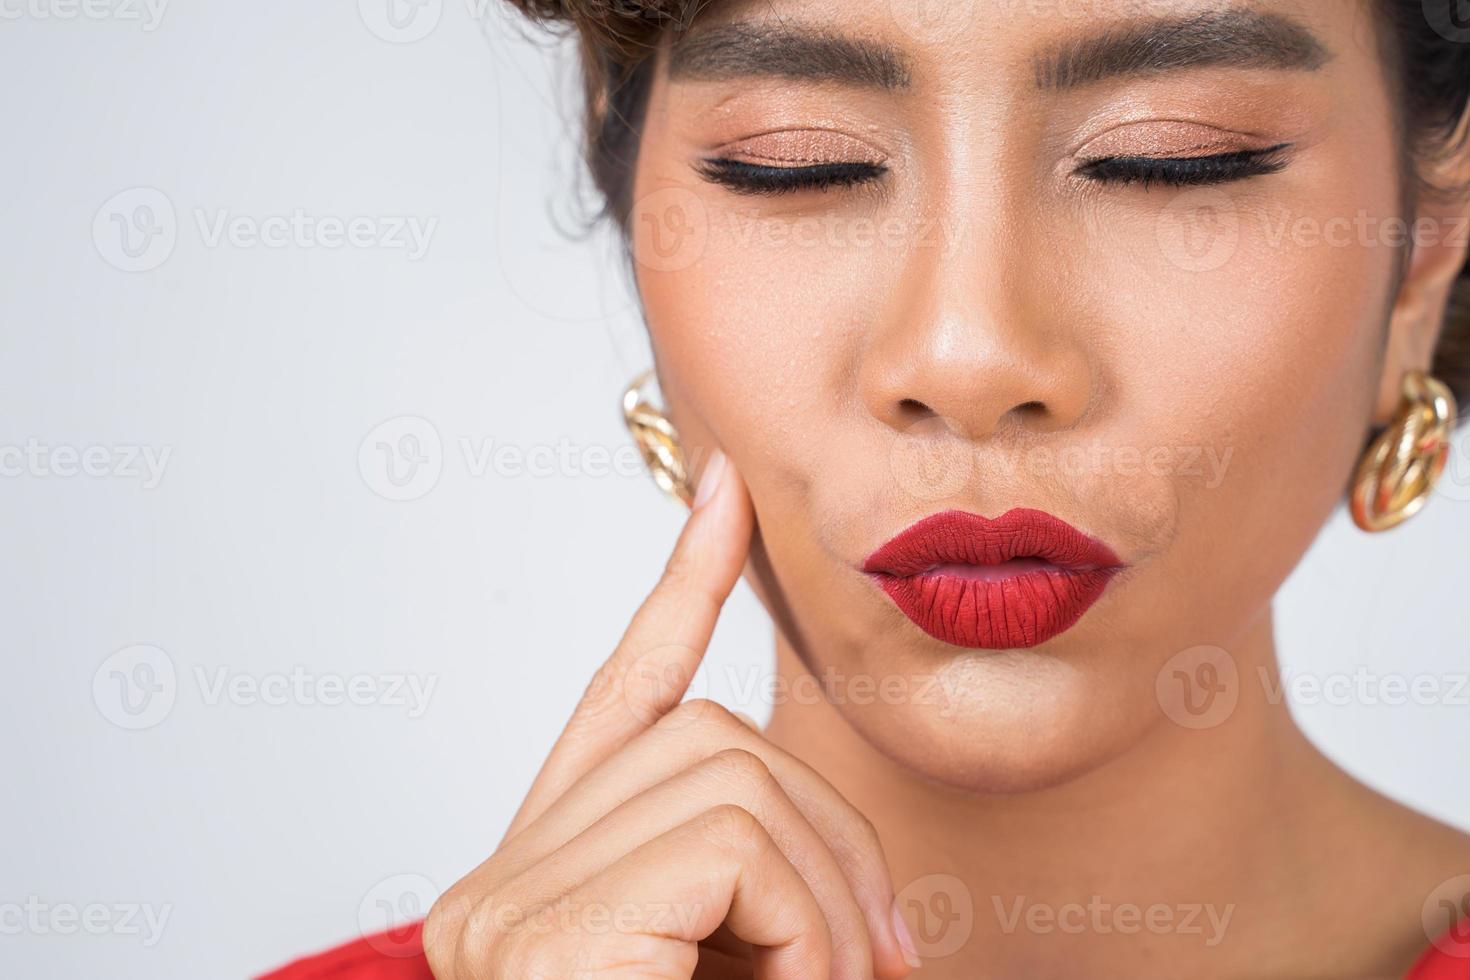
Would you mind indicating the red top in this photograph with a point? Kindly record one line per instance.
(398, 954)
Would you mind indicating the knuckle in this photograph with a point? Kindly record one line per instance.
(679, 571)
(459, 938)
(533, 959)
(860, 848)
(731, 827)
(753, 783)
(442, 928)
(483, 926)
(741, 766)
(695, 711)
(852, 946)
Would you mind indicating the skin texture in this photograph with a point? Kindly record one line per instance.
(945, 337)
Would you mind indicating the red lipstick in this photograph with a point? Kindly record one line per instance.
(998, 584)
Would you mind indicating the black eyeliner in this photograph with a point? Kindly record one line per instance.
(754, 178)
(1186, 171)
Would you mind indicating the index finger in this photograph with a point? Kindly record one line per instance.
(652, 665)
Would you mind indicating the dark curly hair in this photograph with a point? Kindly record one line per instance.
(1425, 49)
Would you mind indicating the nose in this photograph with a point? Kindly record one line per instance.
(974, 338)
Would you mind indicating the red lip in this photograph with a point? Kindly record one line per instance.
(1015, 581)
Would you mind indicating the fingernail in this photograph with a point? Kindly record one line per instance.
(905, 938)
(709, 481)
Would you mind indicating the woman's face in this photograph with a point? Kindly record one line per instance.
(1001, 299)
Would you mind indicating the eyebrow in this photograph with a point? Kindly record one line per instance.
(1232, 37)
(797, 52)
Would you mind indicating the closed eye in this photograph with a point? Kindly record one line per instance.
(744, 177)
(1186, 171)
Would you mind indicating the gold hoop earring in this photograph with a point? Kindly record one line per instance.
(1400, 468)
(657, 440)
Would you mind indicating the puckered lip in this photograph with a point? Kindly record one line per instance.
(960, 537)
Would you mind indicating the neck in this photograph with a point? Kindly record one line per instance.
(1198, 845)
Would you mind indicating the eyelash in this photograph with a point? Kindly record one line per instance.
(756, 178)
(1186, 171)
(752, 178)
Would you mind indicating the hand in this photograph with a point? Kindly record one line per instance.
(672, 840)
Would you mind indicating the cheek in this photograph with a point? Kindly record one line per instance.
(1251, 326)
(757, 339)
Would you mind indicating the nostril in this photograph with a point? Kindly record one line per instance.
(912, 408)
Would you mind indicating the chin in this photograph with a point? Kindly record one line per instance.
(1003, 722)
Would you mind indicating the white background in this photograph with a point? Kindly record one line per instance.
(267, 830)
